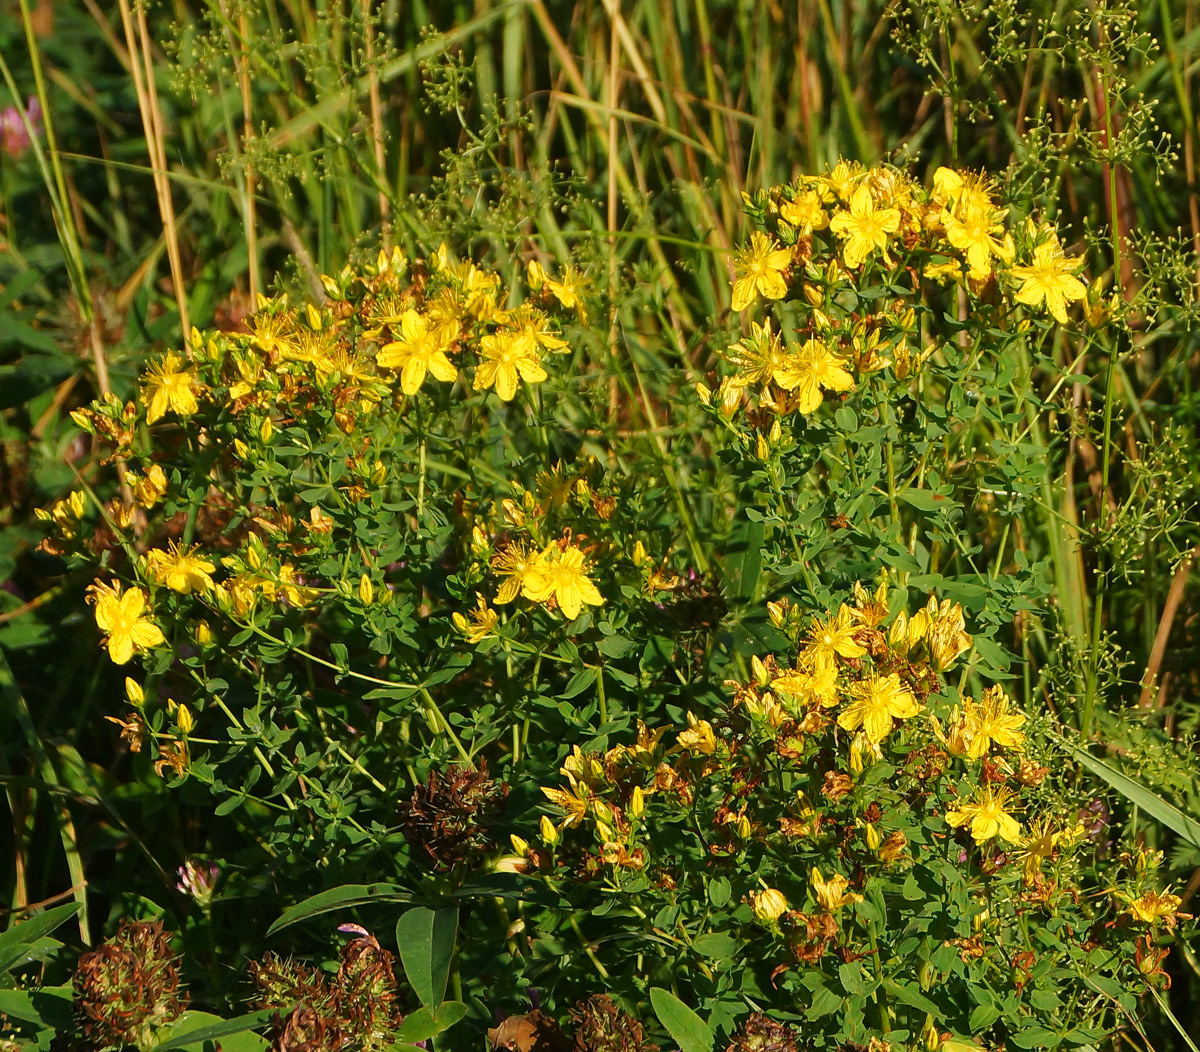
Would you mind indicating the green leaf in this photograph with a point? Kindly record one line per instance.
(910, 995)
(195, 1030)
(342, 897)
(1136, 793)
(50, 1006)
(686, 1028)
(423, 1024)
(719, 891)
(425, 939)
(923, 500)
(716, 944)
(1036, 1037)
(853, 980)
(17, 944)
(982, 1018)
(824, 1002)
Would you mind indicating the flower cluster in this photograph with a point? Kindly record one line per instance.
(854, 254)
(845, 774)
(376, 342)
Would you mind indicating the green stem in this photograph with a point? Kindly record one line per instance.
(438, 719)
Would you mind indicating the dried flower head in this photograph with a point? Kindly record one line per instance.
(128, 987)
(450, 818)
(603, 1026)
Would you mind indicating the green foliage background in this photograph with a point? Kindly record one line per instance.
(297, 136)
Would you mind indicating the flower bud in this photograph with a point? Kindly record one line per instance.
(366, 590)
(520, 844)
(768, 905)
(266, 429)
(184, 720)
(761, 676)
(637, 802)
(930, 1036)
(778, 612)
(133, 691)
(548, 832)
(872, 836)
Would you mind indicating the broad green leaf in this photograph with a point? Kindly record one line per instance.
(910, 995)
(342, 897)
(425, 939)
(824, 1002)
(424, 1024)
(49, 1006)
(687, 1029)
(1036, 1037)
(716, 944)
(17, 944)
(983, 1017)
(719, 891)
(198, 1031)
(923, 500)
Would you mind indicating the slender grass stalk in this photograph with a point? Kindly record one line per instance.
(141, 68)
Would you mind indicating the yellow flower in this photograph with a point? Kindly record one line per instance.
(976, 236)
(568, 291)
(170, 388)
(944, 638)
(805, 213)
(507, 355)
(864, 227)
(760, 270)
(965, 193)
(829, 640)
(122, 616)
(809, 371)
(699, 737)
(1038, 846)
(841, 181)
(295, 594)
(812, 686)
(990, 722)
(1154, 906)
(760, 358)
(180, 569)
(420, 349)
(987, 813)
(481, 622)
(878, 702)
(529, 321)
(513, 563)
(559, 574)
(269, 332)
(574, 801)
(831, 894)
(768, 905)
(1050, 279)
